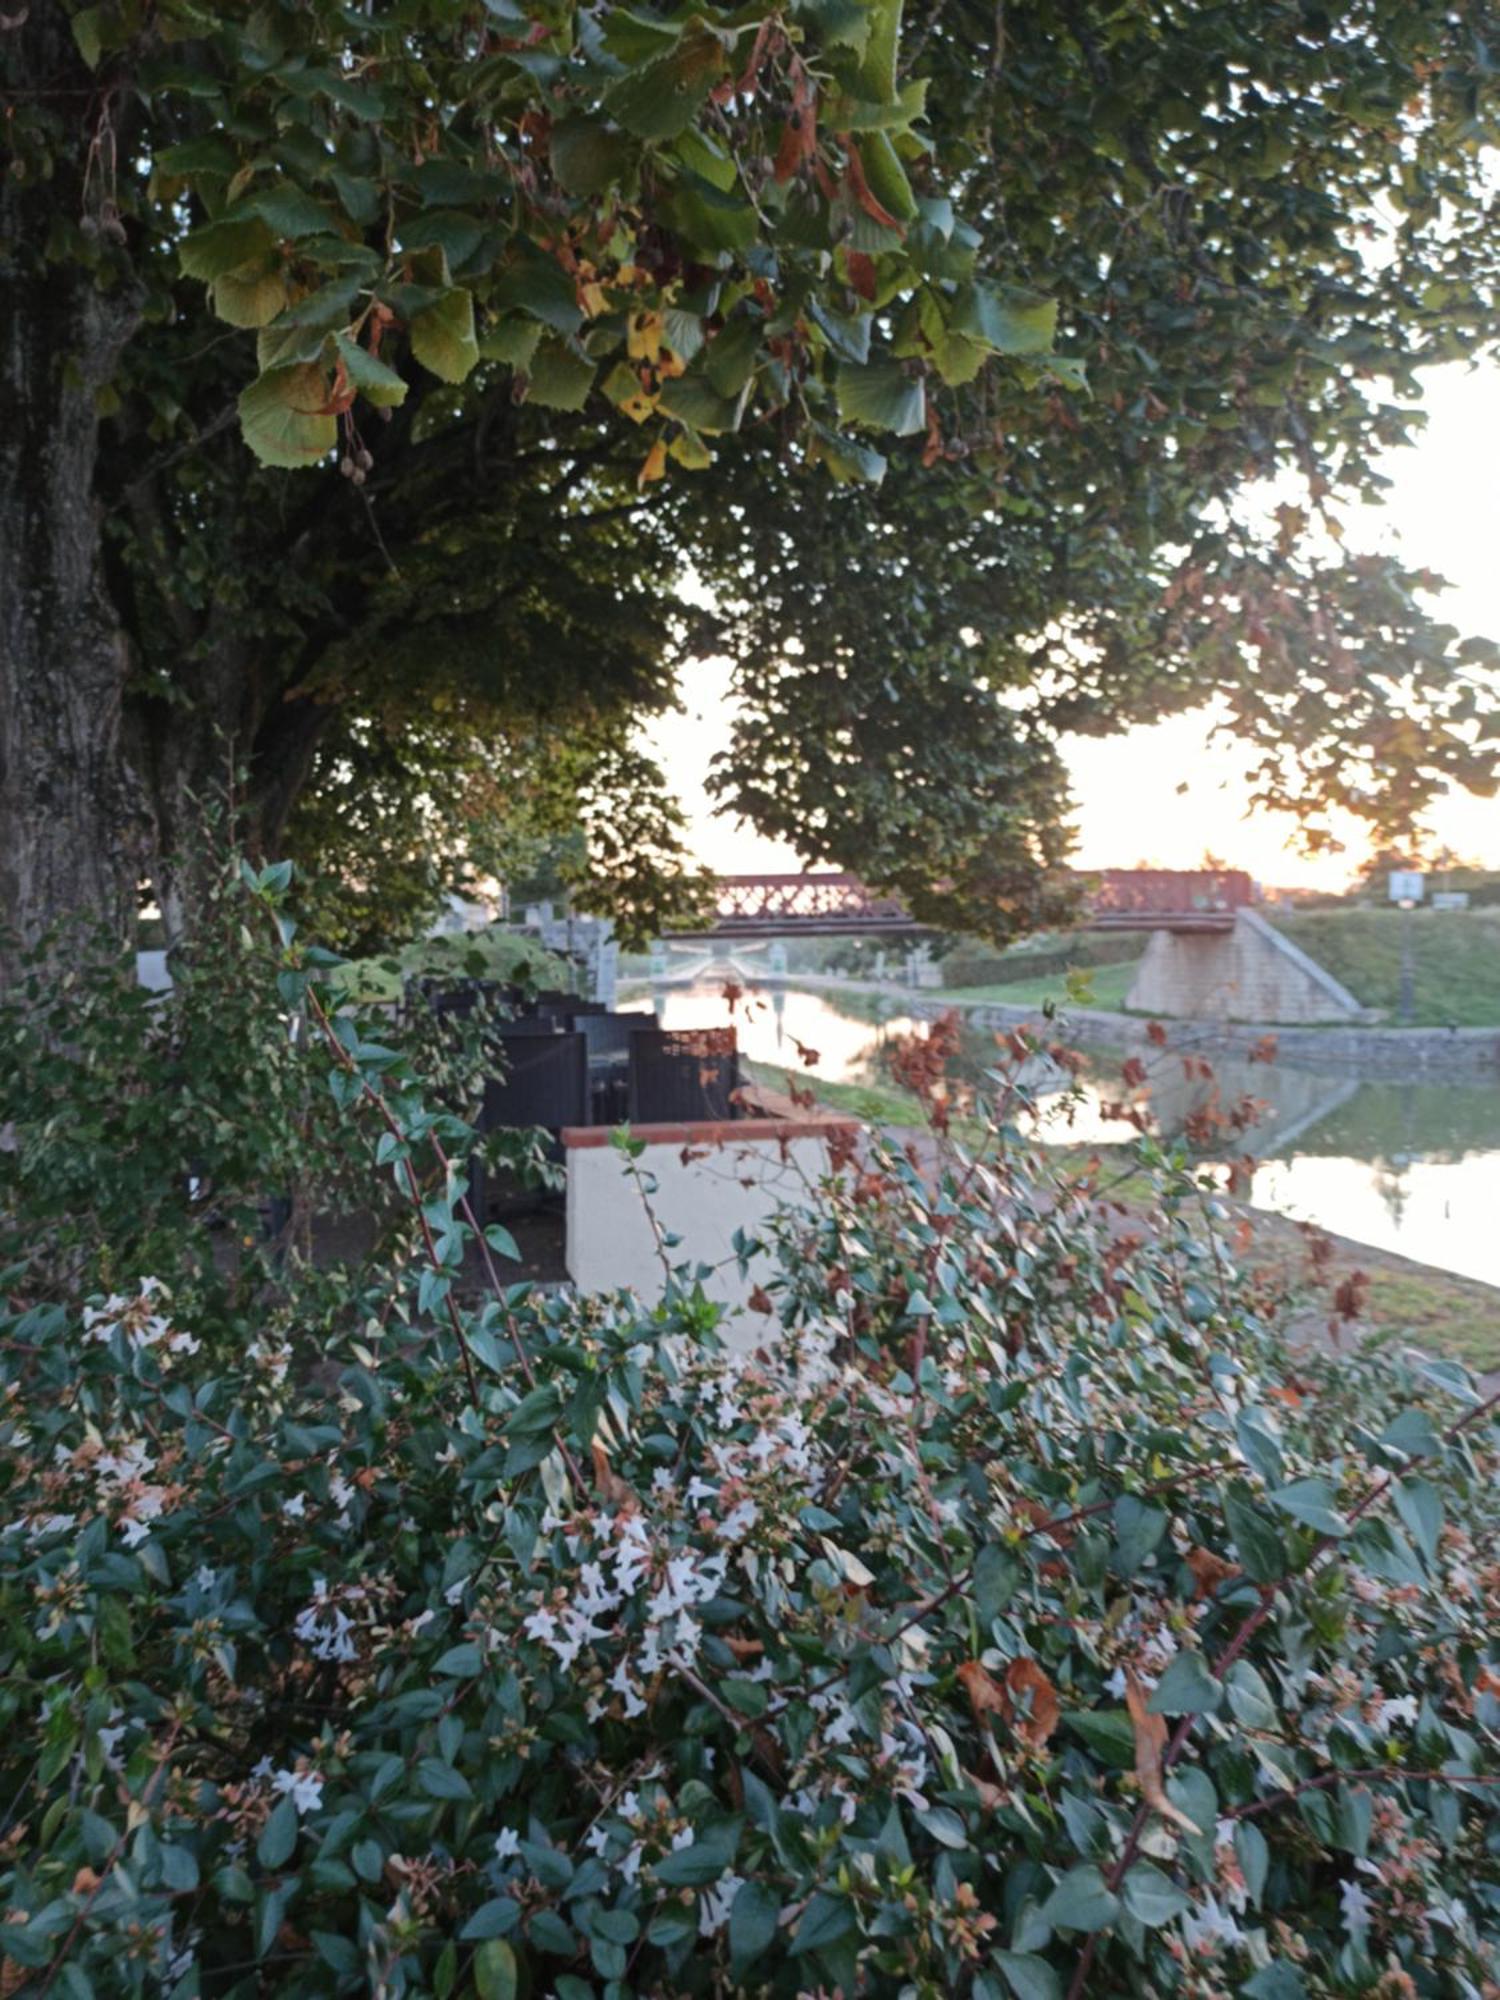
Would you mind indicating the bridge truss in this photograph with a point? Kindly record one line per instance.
(835, 905)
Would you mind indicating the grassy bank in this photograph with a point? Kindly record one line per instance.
(1103, 986)
(1455, 960)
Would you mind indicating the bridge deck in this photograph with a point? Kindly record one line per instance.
(839, 905)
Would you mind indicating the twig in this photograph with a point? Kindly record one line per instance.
(1251, 1625)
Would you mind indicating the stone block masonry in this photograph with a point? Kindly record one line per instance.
(1251, 973)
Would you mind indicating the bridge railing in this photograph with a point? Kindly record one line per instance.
(760, 899)
(1169, 891)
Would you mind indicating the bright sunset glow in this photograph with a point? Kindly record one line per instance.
(1443, 508)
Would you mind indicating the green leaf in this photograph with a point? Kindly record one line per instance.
(587, 156)
(285, 418)
(279, 1835)
(442, 337)
(1186, 1688)
(849, 461)
(1108, 1733)
(536, 284)
(748, 1697)
(1082, 1901)
(289, 210)
(1257, 1539)
(996, 1574)
(730, 359)
(825, 1920)
(559, 379)
(378, 384)
(704, 1862)
(753, 1918)
(693, 401)
(1008, 321)
(1311, 1500)
(440, 1781)
(282, 345)
(223, 246)
(493, 1919)
(1250, 1699)
(88, 33)
(512, 339)
(663, 97)
(251, 296)
(1256, 1435)
(495, 1976)
(1276, 1981)
(460, 1661)
(1253, 1856)
(1151, 1897)
(881, 396)
(1029, 1977)
(1418, 1504)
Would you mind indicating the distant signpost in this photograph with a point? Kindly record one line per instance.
(1406, 890)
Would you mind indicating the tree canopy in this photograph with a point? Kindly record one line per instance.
(432, 365)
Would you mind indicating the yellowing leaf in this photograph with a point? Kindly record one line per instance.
(654, 465)
(442, 337)
(285, 416)
(252, 295)
(643, 336)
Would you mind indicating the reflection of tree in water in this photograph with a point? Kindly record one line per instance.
(1391, 1168)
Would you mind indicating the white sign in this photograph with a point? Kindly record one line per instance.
(1450, 899)
(1406, 885)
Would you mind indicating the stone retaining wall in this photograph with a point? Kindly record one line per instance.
(1362, 1051)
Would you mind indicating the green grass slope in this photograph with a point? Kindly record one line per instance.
(1455, 958)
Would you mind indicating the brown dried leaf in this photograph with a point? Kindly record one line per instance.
(611, 1487)
(1150, 1742)
(1209, 1571)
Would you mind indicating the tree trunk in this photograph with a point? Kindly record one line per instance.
(74, 829)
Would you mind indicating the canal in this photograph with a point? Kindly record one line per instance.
(1406, 1166)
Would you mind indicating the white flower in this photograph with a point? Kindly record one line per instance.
(109, 1740)
(1402, 1708)
(738, 1522)
(262, 1771)
(305, 1788)
(1355, 1908)
(52, 1524)
(325, 1626)
(716, 1902)
(507, 1843)
(184, 1343)
(204, 1577)
(295, 1506)
(135, 1532)
(684, 1837)
(339, 1489)
(540, 1625)
(1210, 1924)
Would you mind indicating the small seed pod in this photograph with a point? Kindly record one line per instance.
(363, 460)
(347, 467)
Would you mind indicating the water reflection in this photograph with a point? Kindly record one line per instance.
(1410, 1167)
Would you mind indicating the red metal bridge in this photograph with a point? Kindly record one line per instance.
(831, 905)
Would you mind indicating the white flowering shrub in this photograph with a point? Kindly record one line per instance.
(1021, 1621)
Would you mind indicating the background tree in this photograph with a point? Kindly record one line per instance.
(500, 269)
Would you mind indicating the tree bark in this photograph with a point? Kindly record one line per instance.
(74, 826)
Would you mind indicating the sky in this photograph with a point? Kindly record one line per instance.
(1443, 512)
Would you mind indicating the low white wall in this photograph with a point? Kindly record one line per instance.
(711, 1180)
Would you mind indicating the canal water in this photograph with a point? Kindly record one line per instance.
(1411, 1167)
